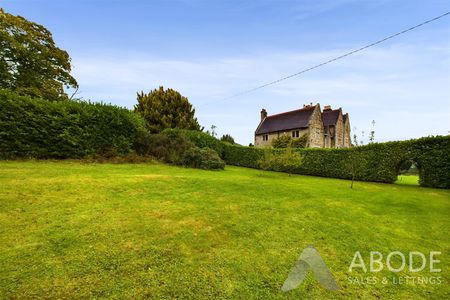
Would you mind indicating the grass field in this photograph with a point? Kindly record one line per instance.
(73, 230)
(408, 179)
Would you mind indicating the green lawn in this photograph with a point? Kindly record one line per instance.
(408, 179)
(69, 230)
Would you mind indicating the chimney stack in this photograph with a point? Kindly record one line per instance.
(327, 107)
(263, 114)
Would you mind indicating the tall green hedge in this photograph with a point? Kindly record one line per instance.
(38, 128)
(379, 162)
(432, 156)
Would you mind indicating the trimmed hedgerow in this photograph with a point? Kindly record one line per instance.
(379, 162)
(362, 163)
(38, 128)
(432, 156)
(243, 156)
(286, 161)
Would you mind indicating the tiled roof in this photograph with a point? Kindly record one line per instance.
(285, 121)
(330, 117)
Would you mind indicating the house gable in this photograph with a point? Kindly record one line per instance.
(315, 129)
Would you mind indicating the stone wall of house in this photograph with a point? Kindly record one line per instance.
(259, 142)
(315, 130)
(339, 132)
(327, 137)
(347, 134)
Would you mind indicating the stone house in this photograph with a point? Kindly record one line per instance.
(324, 129)
(336, 128)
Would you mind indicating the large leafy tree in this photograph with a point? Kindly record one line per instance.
(30, 62)
(163, 109)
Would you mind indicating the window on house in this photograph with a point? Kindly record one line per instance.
(295, 133)
(265, 137)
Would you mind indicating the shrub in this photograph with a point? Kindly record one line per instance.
(37, 128)
(203, 158)
(300, 142)
(199, 138)
(283, 141)
(174, 146)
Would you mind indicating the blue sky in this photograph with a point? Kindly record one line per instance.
(210, 50)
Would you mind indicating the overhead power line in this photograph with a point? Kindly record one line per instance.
(334, 59)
